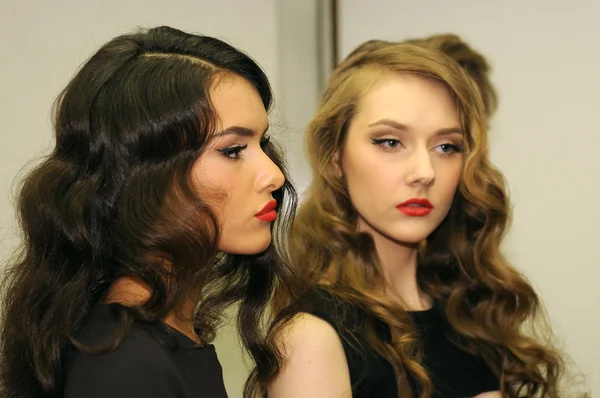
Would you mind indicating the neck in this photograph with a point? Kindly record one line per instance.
(131, 292)
(398, 265)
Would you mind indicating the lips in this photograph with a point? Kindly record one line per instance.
(415, 207)
(268, 212)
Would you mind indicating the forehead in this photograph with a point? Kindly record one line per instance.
(409, 99)
(237, 102)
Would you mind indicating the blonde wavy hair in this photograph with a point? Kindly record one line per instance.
(472, 61)
(493, 310)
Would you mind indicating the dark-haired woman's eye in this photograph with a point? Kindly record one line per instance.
(264, 141)
(233, 152)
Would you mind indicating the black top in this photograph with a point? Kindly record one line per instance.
(454, 373)
(141, 366)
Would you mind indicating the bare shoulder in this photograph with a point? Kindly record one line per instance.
(307, 332)
(315, 363)
(491, 394)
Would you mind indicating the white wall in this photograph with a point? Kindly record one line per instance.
(43, 43)
(545, 137)
(299, 76)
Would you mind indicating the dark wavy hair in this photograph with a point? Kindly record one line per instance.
(493, 309)
(114, 198)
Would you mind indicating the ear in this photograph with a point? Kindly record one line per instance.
(335, 160)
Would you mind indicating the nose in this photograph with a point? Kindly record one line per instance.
(421, 169)
(270, 177)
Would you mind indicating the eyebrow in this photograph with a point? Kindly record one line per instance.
(238, 130)
(405, 127)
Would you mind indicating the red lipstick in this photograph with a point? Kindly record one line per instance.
(268, 212)
(415, 207)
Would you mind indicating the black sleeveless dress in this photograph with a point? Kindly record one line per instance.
(454, 373)
(141, 366)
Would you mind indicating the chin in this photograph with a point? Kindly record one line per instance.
(409, 241)
(249, 248)
(246, 244)
(410, 238)
(261, 244)
(259, 248)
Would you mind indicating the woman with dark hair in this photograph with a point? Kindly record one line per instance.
(162, 203)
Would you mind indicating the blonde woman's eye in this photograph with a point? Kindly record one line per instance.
(449, 149)
(386, 143)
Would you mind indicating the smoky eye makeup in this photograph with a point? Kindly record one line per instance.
(230, 146)
(393, 143)
(449, 146)
(388, 144)
(233, 146)
(457, 142)
(232, 152)
(449, 149)
(264, 140)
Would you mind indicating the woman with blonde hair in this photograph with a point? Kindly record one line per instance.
(399, 239)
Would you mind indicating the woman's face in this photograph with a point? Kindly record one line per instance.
(234, 175)
(402, 158)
